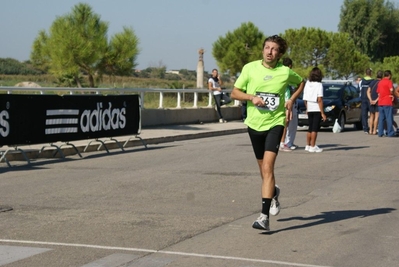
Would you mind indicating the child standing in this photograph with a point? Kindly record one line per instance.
(313, 99)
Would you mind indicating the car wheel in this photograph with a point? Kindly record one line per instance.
(341, 121)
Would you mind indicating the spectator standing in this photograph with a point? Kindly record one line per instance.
(293, 123)
(214, 84)
(283, 147)
(262, 84)
(364, 85)
(313, 99)
(373, 99)
(385, 108)
(394, 109)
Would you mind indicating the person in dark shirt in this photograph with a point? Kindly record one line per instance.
(372, 95)
(364, 86)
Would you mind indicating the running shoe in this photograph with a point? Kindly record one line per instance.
(275, 205)
(284, 148)
(307, 148)
(315, 149)
(262, 223)
(293, 147)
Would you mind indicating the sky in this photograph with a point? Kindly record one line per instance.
(170, 32)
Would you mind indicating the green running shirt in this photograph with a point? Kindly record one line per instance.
(270, 84)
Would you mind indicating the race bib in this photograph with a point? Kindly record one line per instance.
(272, 101)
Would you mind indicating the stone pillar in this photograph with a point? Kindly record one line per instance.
(200, 69)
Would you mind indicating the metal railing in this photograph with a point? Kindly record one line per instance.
(104, 91)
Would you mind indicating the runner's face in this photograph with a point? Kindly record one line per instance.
(271, 52)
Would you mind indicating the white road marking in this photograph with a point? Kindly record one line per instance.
(160, 251)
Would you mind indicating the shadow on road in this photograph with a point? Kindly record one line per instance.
(331, 217)
(331, 147)
(41, 163)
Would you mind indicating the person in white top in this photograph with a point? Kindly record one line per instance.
(313, 99)
(214, 84)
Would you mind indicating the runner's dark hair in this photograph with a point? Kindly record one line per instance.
(278, 40)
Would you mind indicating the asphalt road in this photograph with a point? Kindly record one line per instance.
(192, 203)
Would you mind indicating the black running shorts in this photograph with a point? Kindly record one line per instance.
(266, 140)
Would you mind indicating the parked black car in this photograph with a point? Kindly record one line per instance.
(340, 101)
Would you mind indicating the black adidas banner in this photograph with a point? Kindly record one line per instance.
(36, 119)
